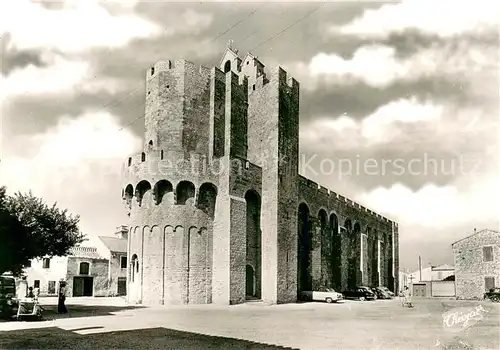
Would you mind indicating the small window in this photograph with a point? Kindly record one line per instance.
(150, 143)
(489, 283)
(123, 262)
(46, 263)
(129, 161)
(52, 287)
(143, 157)
(36, 284)
(253, 87)
(227, 66)
(487, 254)
(84, 268)
(161, 154)
(152, 70)
(28, 264)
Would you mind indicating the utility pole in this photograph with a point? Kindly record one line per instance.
(420, 267)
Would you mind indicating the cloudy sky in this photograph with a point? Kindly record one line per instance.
(388, 91)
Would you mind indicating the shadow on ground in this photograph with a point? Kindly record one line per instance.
(157, 338)
(50, 311)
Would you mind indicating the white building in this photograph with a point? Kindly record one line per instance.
(431, 273)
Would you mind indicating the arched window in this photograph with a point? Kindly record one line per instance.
(134, 264)
(84, 268)
(150, 144)
(184, 191)
(143, 157)
(227, 66)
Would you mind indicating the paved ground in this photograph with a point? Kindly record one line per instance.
(381, 324)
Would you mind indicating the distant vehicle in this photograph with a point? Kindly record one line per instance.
(8, 302)
(361, 293)
(382, 293)
(323, 294)
(387, 290)
(493, 294)
(7, 287)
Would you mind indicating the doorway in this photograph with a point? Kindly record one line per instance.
(83, 286)
(122, 286)
(250, 282)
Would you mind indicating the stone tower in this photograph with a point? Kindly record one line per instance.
(212, 197)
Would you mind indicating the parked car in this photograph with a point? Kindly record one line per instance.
(8, 302)
(361, 293)
(381, 293)
(493, 294)
(322, 294)
(387, 291)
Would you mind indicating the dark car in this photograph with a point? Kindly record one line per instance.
(493, 295)
(8, 304)
(360, 293)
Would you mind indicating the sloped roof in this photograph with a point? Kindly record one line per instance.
(443, 267)
(85, 252)
(114, 244)
(478, 232)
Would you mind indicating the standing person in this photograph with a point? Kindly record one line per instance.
(36, 293)
(61, 307)
(406, 295)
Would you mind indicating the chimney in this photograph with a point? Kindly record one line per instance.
(122, 232)
(474, 230)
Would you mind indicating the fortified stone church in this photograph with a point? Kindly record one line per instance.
(218, 211)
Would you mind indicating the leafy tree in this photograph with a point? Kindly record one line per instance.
(30, 229)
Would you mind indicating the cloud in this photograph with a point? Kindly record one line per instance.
(58, 76)
(383, 126)
(379, 65)
(77, 164)
(445, 19)
(439, 207)
(75, 27)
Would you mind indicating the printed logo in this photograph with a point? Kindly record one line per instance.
(459, 319)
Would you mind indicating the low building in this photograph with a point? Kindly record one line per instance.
(477, 264)
(97, 270)
(433, 281)
(84, 270)
(114, 249)
(431, 273)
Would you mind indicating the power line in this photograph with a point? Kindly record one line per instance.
(290, 26)
(235, 25)
(261, 44)
(133, 91)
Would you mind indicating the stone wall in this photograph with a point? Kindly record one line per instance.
(357, 220)
(470, 267)
(115, 272)
(238, 135)
(98, 270)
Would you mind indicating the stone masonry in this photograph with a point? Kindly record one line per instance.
(218, 211)
(473, 265)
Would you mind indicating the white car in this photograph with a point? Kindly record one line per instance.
(323, 294)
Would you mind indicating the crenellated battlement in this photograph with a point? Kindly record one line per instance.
(216, 216)
(178, 66)
(321, 191)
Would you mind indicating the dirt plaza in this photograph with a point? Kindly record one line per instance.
(380, 324)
